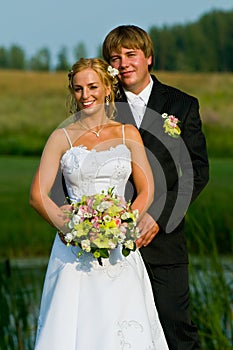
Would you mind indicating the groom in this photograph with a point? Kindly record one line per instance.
(180, 167)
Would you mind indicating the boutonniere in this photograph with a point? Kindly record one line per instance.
(170, 125)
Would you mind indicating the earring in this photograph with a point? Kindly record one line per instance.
(107, 100)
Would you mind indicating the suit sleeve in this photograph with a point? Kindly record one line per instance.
(192, 170)
(195, 141)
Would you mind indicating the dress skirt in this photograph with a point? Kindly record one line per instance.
(88, 306)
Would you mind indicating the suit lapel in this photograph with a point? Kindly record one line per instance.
(154, 109)
(158, 96)
(155, 106)
(124, 113)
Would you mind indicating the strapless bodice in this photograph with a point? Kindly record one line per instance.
(80, 294)
(89, 171)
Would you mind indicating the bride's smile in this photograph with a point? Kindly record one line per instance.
(89, 91)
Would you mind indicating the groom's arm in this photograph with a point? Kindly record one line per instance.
(194, 170)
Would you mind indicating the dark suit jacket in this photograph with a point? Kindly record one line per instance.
(180, 167)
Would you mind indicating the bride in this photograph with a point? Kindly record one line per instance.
(86, 305)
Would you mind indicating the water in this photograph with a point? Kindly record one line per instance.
(21, 283)
(21, 287)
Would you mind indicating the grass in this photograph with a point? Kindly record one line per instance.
(34, 103)
(21, 288)
(20, 295)
(211, 282)
(213, 208)
(24, 232)
(213, 90)
(211, 304)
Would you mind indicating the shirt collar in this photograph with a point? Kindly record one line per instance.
(143, 95)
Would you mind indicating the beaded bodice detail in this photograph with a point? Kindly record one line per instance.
(89, 171)
(76, 284)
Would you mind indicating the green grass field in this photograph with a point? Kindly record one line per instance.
(210, 216)
(33, 104)
(25, 234)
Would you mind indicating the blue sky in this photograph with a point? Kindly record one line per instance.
(55, 23)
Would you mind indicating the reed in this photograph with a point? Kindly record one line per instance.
(19, 300)
(211, 281)
(31, 107)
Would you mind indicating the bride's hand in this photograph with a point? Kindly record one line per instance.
(66, 209)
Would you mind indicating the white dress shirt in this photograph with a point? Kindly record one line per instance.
(139, 102)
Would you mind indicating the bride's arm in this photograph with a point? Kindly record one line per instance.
(44, 179)
(141, 171)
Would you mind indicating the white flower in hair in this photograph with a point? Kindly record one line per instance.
(113, 71)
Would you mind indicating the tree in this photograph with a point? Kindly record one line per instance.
(16, 57)
(41, 61)
(205, 45)
(80, 51)
(3, 58)
(99, 52)
(63, 64)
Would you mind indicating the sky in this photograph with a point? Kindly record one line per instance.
(56, 23)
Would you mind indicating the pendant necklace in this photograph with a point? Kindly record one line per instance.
(96, 133)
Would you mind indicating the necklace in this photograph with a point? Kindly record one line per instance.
(96, 133)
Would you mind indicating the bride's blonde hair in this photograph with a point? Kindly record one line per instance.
(101, 67)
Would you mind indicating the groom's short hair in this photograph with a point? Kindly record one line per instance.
(130, 37)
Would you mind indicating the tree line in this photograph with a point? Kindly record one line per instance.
(205, 45)
(15, 58)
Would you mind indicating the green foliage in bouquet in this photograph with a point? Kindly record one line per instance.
(101, 222)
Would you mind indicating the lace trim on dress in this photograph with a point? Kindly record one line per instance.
(112, 267)
(125, 331)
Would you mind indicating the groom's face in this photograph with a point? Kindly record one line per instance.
(133, 68)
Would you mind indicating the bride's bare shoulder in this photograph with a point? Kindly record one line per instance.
(131, 130)
(114, 123)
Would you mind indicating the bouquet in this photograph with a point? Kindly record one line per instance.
(101, 222)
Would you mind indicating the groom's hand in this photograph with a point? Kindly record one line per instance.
(148, 228)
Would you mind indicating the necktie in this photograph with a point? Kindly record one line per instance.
(138, 109)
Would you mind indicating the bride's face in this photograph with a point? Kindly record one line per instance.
(89, 91)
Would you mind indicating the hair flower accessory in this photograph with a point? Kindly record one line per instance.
(170, 125)
(113, 71)
(70, 73)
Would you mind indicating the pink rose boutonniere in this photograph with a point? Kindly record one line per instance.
(170, 125)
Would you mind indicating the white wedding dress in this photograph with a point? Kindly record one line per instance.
(86, 306)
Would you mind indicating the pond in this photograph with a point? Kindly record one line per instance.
(21, 283)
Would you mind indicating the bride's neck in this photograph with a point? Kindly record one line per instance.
(93, 121)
